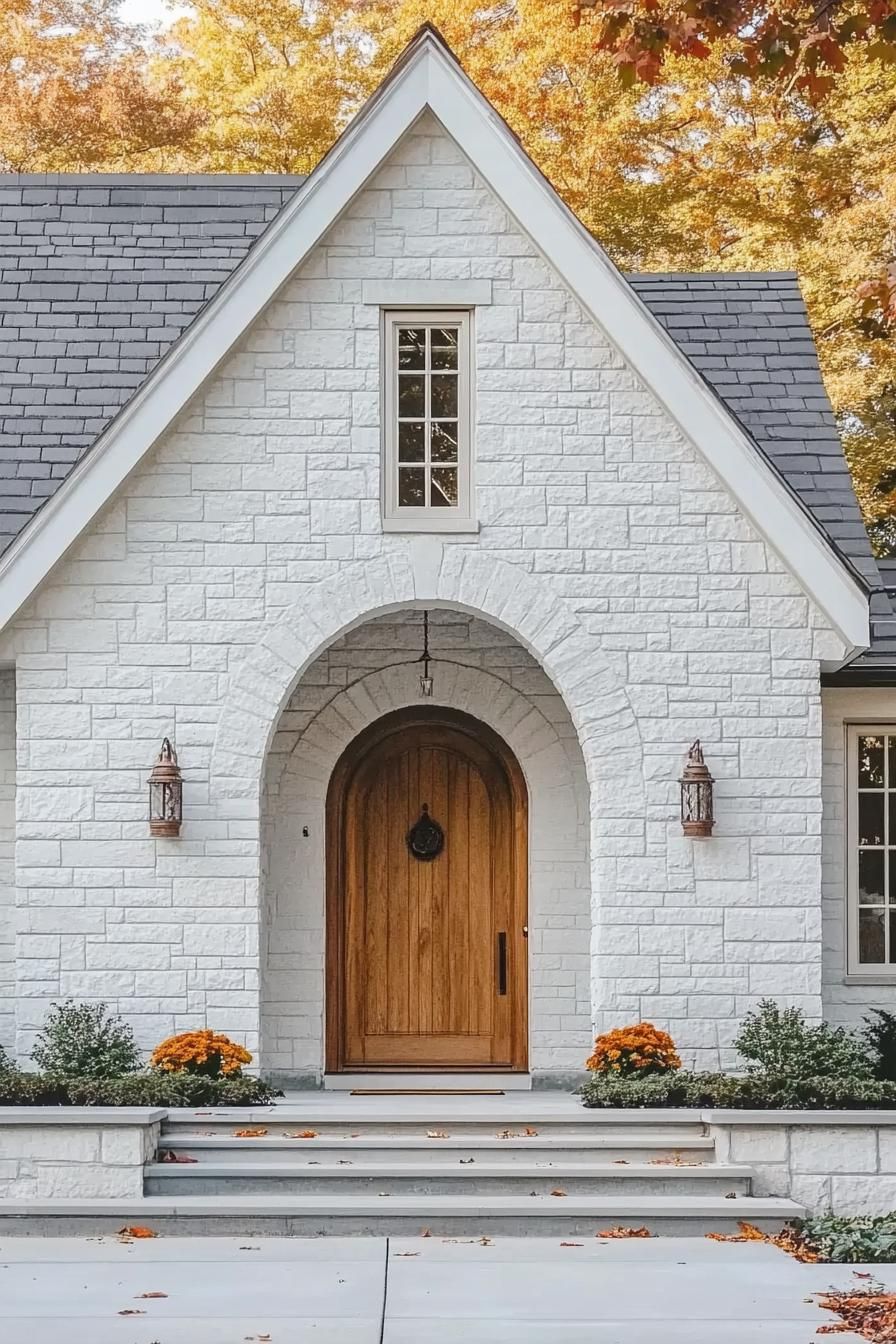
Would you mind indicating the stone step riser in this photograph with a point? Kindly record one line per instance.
(468, 1184)
(302, 1152)
(383, 1225)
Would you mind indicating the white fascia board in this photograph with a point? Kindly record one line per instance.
(430, 78)
(649, 350)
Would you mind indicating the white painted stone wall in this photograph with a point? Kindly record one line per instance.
(7, 857)
(81, 1152)
(485, 672)
(846, 1000)
(251, 537)
(842, 1163)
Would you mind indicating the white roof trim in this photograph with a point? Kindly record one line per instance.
(429, 77)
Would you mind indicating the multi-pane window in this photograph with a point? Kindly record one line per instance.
(872, 865)
(427, 412)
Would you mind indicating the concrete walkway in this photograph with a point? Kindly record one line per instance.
(411, 1291)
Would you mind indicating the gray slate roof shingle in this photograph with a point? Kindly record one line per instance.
(99, 275)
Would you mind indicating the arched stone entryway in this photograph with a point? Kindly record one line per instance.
(344, 692)
(514, 602)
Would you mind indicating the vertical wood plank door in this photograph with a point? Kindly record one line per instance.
(426, 947)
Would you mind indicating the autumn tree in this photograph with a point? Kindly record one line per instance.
(802, 44)
(75, 91)
(273, 83)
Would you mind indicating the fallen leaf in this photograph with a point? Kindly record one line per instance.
(868, 1312)
(426, 1232)
(150, 1294)
(572, 1243)
(732, 1195)
(303, 1134)
(620, 1233)
(620, 1162)
(466, 1161)
(132, 1311)
(171, 1156)
(485, 1241)
(137, 1232)
(860, 1274)
(530, 1132)
(436, 1134)
(406, 1253)
(249, 1133)
(343, 1162)
(250, 1248)
(747, 1233)
(559, 1194)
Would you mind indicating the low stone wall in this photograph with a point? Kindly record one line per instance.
(841, 1162)
(76, 1152)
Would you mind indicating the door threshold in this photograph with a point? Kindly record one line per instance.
(421, 1084)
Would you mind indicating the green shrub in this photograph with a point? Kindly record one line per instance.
(851, 1241)
(722, 1091)
(5, 1062)
(135, 1089)
(85, 1040)
(780, 1041)
(879, 1035)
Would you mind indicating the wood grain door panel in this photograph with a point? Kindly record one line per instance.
(413, 973)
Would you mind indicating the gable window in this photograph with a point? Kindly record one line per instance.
(427, 421)
(871, 861)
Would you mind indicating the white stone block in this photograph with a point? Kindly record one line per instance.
(822, 1150)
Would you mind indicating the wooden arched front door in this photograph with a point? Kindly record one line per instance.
(426, 898)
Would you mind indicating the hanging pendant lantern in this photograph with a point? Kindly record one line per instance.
(166, 792)
(426, 682)
(696, 795)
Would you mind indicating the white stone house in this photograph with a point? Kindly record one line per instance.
(237, 479)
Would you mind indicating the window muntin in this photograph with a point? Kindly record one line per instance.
(872, 856)
(427, 438)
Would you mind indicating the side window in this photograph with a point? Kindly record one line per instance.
(871, 838)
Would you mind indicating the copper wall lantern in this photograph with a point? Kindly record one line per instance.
(166, 793)
(696, 794)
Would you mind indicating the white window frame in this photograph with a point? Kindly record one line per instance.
(427, 519)
(879, 972)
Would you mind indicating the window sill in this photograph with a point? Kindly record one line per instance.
(874, 978)
(429, 525)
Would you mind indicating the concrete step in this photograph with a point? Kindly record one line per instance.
(376, 1149)
(409, 1215)
(334, 1116)
(442, 1178)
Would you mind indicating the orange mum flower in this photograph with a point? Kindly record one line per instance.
(206, 1052)
(634, 1051)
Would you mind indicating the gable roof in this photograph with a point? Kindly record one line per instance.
(426, 77)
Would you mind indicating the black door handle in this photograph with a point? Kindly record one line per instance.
(502, 962)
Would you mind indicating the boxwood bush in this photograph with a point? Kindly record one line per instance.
(133, 1089)
(751, 1092)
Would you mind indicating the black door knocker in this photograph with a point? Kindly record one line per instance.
(426, 839)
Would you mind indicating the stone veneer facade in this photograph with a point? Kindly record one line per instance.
(634, 606)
